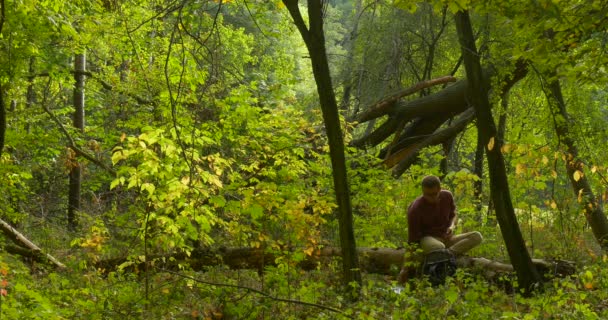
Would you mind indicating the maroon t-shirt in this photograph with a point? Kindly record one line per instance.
(430, 219)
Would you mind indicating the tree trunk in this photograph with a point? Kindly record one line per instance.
(478, 184)
(592, 207)
(78, 118)
(2, 119)
(373, 260)
(2, 102)
(315, 42)
(350, 49)
(478, 89)
(30, 96)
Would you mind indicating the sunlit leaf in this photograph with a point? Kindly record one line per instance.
(491, 144)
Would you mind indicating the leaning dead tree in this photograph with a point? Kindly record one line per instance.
(24, 247)
(425, 121)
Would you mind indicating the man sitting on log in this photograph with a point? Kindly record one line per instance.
(431, 223)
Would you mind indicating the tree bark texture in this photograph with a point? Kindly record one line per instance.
(78, 122)
(592, 207)
(315, 42)
(477, 92)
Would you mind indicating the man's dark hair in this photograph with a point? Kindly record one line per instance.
(430, 182)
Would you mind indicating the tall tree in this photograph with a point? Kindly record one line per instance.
(477, 91)
(2, 104)
(592, 207)
(314, 38)
(78, 122)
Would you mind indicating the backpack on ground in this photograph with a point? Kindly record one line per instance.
(438, 265)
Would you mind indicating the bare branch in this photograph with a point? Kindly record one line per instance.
(254, 290)
(74, 146)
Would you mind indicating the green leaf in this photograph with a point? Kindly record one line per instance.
(115, 183)
(256, 211)
(217, 201)
(148, 187)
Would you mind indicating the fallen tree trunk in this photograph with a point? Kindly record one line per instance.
(29, 248)
(422, 116)
(372, 260)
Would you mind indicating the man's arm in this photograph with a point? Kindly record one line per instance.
(453, 217)
(452, 225)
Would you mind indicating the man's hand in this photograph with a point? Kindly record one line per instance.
(450, 232)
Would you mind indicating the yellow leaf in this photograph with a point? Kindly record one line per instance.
(553, 205)
(309, 251)
(554, 174)
(577, 175)
(593, 169)
(545, 160)
(520, 168)
(185, 180)
(588, 285)
(491, 144)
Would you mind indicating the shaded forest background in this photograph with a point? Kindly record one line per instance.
(144, 141)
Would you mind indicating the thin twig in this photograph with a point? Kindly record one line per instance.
(72, 143)
(262, 293)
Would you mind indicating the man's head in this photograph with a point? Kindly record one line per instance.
(430, 188)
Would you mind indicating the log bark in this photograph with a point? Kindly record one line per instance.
(385, 261)
(389, 104)
(528, 276)
(28, 247)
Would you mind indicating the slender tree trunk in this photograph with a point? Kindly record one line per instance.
(447, 149)
(350, 48)
(592, 207)
(502, 128)
(78, 118)
(478, 89)
(478, 170)
(502, 120)
(2, 103)
(315, 42)
(30, 98)
(2, 119)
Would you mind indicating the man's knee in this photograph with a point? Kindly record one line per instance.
(429, 244)
(476, 237)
